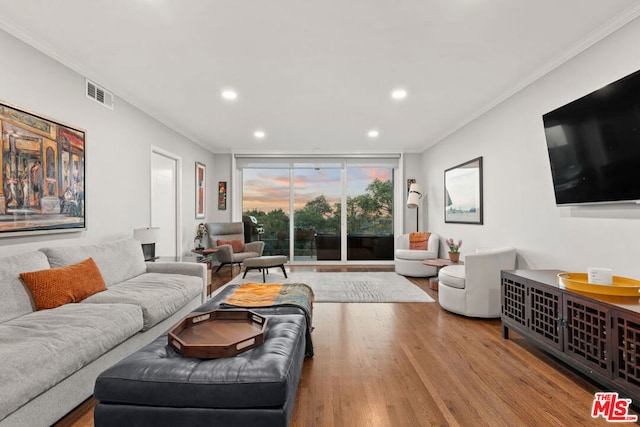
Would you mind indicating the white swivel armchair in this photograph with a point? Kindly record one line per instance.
(473, 289)
(409, 261)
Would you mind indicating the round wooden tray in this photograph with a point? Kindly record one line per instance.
(622, 286)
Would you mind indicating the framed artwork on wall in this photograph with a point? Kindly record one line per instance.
(201, 190)
(463, 193)
(222, 195)
(42, 184)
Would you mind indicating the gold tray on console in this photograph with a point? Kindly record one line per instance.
(622, 286)
(218, 333)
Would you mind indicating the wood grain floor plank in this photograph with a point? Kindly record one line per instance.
(414, 364)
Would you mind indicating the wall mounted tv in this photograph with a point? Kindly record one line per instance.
(594, 145)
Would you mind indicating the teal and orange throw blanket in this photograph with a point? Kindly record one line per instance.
(260, 295)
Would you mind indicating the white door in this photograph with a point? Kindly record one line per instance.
(165, 197)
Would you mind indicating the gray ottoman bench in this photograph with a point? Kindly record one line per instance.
(156, 386)
(264, 263)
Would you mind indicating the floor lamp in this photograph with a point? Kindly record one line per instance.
(413, 201)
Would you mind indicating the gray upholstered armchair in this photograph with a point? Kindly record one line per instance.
(227, 236)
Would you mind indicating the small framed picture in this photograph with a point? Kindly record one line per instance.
(222, 195)
(201, 190)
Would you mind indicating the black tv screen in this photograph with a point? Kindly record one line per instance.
(594, 145)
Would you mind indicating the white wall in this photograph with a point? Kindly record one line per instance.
(118, 148)
(519, 204)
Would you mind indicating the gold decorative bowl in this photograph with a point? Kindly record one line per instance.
(622, 286)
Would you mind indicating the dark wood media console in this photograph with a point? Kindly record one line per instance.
(598, 335)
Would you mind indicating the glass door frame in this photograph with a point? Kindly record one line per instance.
(399, 201)
(334, 164)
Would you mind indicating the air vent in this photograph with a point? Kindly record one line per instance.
(99, 94)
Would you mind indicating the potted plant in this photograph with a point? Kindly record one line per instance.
(454, 249)
(200, 235)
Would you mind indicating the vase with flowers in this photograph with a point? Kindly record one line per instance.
(454, 249)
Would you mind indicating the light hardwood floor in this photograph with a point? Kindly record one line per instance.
(414, 364)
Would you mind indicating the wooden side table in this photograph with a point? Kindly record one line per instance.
(204, 255)
(438, 263)
(205, 251)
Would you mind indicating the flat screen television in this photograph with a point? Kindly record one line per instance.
(594, 145)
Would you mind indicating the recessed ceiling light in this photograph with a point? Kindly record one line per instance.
(399, 94)
(229, 94)
(259, 134)
(373, 133)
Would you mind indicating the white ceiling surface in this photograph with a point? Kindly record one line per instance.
(315, 76)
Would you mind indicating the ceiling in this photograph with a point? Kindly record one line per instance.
(314, 76)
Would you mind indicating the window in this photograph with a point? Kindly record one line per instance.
(369, 212)
(298, 202)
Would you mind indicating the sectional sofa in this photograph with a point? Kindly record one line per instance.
(50, 358)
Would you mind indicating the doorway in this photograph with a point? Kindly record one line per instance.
(166, 170)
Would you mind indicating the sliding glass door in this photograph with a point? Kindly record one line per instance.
(298, 203)
(265, 196)
(317, 195)
(369, 212)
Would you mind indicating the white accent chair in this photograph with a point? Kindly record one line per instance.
(409, 261)
(473, 289)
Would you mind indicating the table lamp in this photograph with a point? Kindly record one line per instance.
(147, 236)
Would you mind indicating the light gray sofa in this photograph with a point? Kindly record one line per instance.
(49, 359)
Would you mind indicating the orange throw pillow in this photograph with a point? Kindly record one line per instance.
(237, 245)
(54, 287)
(419, 240)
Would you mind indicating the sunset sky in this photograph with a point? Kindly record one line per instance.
(268, 189)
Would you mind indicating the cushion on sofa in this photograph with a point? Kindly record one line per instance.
(15, 298)
(117, 261)
(158, 294)
(53, 287)
(40, 349)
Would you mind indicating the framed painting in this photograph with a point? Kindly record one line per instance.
(222, 195)
(43, 174)
(201, 190)
(463, 193)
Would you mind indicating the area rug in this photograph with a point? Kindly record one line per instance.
(347, 287)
